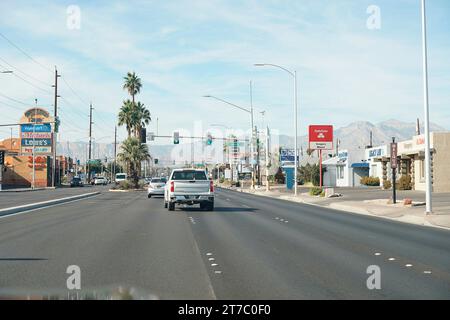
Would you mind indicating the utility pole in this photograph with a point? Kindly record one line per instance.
(90, 143)
(115, 154)
(33, 185)
(55, 115)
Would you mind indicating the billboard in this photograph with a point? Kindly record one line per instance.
(321, 137)
(288, 155)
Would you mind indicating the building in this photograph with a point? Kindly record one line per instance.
(411, 157)
(28, 158)
(377, 167)
(346, 170)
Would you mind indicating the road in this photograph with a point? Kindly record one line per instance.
(12, 199)
(250, 247)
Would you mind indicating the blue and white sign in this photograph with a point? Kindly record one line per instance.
(287, 155)
(29, 127)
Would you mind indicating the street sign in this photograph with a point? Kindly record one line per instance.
(151, 136)
(394, 149)
(321, 137)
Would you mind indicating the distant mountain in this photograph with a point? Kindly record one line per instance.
(357, 134)
(353, 136)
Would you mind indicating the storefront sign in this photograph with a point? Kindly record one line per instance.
(36, 135)
(29, 127)
(321, 137)
(36, 142)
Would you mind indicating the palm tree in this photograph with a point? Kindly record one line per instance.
(142, 118)
(127, 116)
(132, 84)
(133, 152)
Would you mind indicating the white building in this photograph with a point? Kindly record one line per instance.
(347, 169)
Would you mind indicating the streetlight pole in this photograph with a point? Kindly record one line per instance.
(426, 112)
(294, 75)
(251, 117)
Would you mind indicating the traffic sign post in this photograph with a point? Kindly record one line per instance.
(321, 138)
(394, 169)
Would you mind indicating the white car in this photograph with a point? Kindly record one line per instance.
(156, 187)
(100, 181)
(189, 187)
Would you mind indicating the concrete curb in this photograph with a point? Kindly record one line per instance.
(43, 204)
(23, 190)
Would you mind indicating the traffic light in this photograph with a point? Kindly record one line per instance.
(2, 157)
(143, 135)
(209, 140)
(176, 138)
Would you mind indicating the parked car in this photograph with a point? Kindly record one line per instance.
(189, 187)
(100, 181)
(156, 187)
(76, 182)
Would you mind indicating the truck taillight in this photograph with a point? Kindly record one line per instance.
(211, 186)
(172, 186)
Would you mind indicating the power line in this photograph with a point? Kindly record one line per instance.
(24, 73)
(30, 83)
(24, 53)
(74, 92)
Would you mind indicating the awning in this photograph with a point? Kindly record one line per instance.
(360, 165)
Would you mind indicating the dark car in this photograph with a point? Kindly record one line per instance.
(76, 182)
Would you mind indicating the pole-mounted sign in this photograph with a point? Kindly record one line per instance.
(394, 149)
(321, 138)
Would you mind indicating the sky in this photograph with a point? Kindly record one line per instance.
(353, 63)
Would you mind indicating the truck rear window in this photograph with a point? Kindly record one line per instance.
(189, 175)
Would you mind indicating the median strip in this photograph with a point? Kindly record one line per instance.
(44, 204)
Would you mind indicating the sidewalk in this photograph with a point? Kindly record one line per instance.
(370, 201)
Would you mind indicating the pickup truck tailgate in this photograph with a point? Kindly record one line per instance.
(191, 187)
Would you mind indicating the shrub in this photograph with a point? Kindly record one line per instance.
(279, 176)
(315, 191)
(387, 184)
(404, 183)
(222, 180)
(370, 181)
(126, 185)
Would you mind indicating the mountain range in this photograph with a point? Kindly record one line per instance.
(353, 136)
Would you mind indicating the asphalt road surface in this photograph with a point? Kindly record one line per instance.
(13, 199)
(250, 247)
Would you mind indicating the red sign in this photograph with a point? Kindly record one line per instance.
(321, 137)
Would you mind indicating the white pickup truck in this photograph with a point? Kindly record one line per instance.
(189, 186)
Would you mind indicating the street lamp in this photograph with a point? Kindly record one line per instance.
(294, 75)
(426, 112)
(252, 128)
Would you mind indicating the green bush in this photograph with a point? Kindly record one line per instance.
(126, 185)
(279, 176)
(387, 184)
(370, 181)
(315, 191)
(404, 183)
(222, 180)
